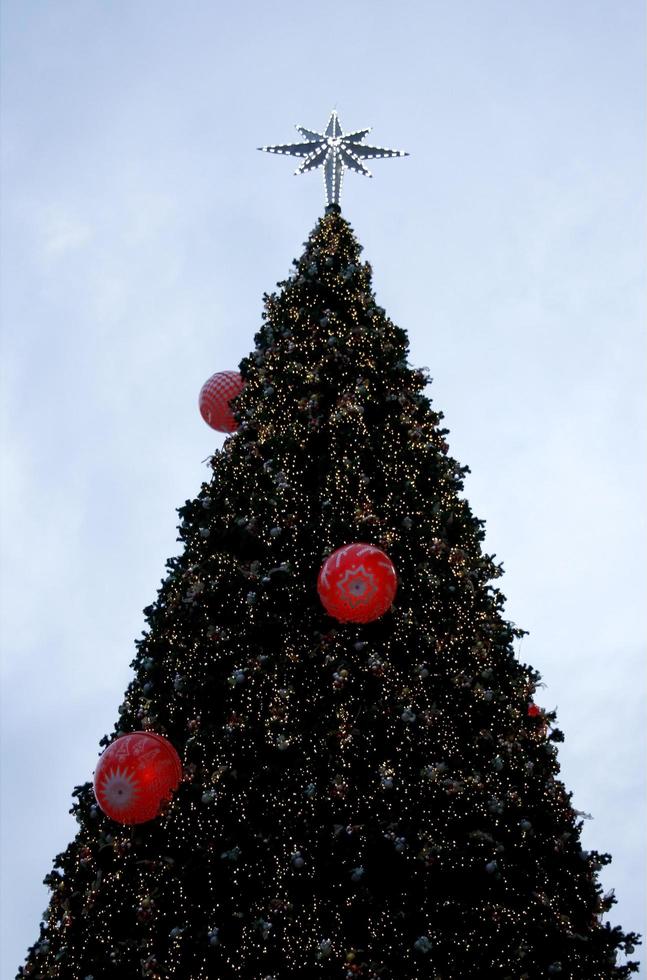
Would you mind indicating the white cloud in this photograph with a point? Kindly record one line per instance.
(62, 231)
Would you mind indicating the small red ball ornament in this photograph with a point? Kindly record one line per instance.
(357, 583)
(215, 396)
(135, 775)
(533, 710)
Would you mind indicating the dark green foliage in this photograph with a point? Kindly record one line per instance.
(360, 801)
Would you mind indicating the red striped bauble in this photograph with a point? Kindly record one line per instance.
(215, 396)
(357, 583)
(135, 775)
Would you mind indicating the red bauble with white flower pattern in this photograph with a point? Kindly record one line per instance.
(357, 583)
(136, 774)
(215, 396)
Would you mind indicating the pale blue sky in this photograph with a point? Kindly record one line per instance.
(140, 229)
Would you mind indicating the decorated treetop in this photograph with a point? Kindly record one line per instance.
(335, 151)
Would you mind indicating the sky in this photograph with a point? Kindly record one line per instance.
(140, 230)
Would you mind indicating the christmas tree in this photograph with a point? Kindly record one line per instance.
(362, 795)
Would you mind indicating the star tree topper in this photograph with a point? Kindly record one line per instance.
(335, 151)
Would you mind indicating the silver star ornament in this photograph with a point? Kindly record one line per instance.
(335, 151)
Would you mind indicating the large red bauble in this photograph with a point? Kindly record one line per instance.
(357, 583)
(215, 395)
(135, 775)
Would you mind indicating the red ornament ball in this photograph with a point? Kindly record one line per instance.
(215, 396)
(135, 775)
(357, 583)
(533, 710)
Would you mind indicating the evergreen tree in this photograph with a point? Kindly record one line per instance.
(370, 801)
